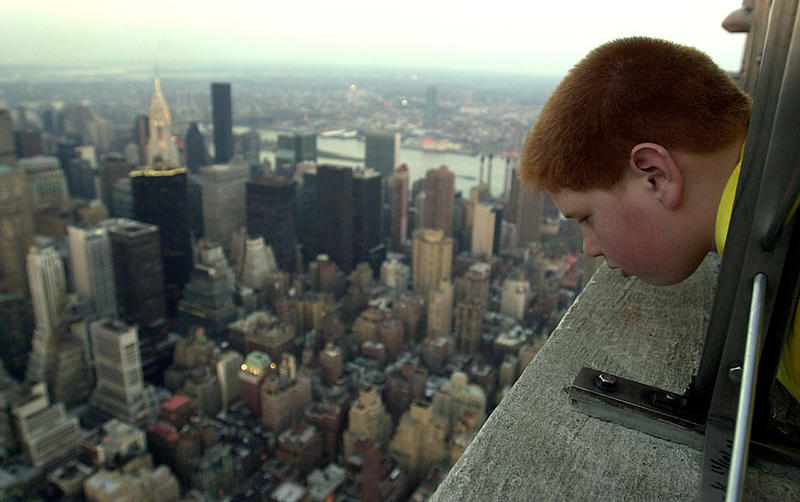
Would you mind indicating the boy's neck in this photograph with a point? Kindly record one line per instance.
(705, 178)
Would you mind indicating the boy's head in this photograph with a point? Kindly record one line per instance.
(620, 143)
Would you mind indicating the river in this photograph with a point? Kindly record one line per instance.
(465, 167)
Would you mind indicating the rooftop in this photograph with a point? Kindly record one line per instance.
(536, 442)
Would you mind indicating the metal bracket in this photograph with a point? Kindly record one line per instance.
(637, 406)
(668, 416)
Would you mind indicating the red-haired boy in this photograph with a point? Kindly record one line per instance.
(641, 143)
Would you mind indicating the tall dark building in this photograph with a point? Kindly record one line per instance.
(525, 210)
(307, 215)
(270, 209)
(399, 212)
(80, 179)
(293, 149)
(7, 148)
(306, 147)
(367, 242)
(139, 278)
(16, 326)
(498, 229)
(138, 272)
(382, 151)
(222, 112)
(208, 297)
(161, 198)
(439, 192)
(196, 153)
(195, 201)
(66, 152)
(335, 214)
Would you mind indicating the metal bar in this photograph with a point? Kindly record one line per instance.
(744, 413)
(770, 164)
(728, 309)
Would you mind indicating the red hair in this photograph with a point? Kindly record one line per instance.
(626, 92)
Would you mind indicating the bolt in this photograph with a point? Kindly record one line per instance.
(605, 381)
(670, 396)
(735, 373)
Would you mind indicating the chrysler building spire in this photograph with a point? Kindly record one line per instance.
(161, 144)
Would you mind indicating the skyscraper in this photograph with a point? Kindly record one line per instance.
(160, 143)
(93, 268)
(399, 218)
(196, 153)
(45, 432)
(432, 260)
(227, 366)
(223, 200)
(439, 200)
(118, 366)
(419, 442)
(48, 286)
(7, 150)
(255, 263)
(483, 229)
(16, 230)
(516, 293)
(285, 155)
(368, 419)
(525, 210)
(248, 145)
(122, 199)
(306, 146)
(307, 214)
(367, 244)
(529, 216)
(138, 270)
(208, 297)
(270, 210)
(46, 181)
(160, 197)
(222, 112)
(382, 151)
(335, 212)
(457, 398)
(294, 148)
(468, 324)
(440, 309)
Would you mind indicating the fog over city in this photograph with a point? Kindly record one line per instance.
(502, 36)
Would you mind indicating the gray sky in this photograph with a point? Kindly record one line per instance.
(522, 36)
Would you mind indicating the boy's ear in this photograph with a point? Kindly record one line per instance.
(656, 168)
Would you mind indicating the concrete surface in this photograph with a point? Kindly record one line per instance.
(535, 446)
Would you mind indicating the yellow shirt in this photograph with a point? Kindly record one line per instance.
(789, 366)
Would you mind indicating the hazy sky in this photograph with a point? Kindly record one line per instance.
(522, 36)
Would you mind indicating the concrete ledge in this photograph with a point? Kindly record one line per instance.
(535, 446)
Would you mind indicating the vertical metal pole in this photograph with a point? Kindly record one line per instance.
(744, 413)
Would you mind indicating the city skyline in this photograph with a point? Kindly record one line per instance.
(506, 38)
